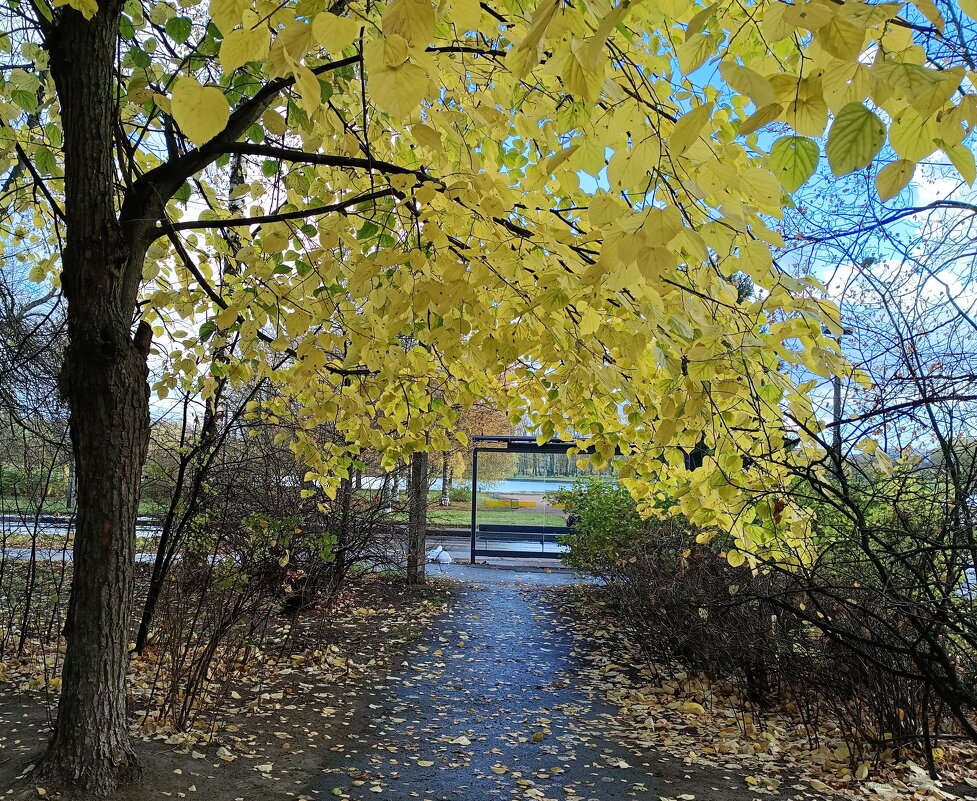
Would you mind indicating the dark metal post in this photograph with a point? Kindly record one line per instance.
(474, 496)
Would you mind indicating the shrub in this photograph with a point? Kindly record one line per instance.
(824, 640)
(460, 494)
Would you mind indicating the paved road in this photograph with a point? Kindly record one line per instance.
(488, 707)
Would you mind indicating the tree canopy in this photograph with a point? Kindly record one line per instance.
(545, 204)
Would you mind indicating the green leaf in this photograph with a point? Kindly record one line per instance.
(255, 133)
(183, 193)
(369, 229)
(856, 136)
(45, 161)
(140, 58)
(793, 159)
(127, 31)
(207, 330)
(179, 28)
(26, 100)
(269, 167)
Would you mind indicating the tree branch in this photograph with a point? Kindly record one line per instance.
(316, 211)
(322, 159)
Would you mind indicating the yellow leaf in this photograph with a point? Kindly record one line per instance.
(695, 51)
(661, 226)
(426, 136)
(929, 10)
(807, 115)
(243, 45)
(755, 260)
(309, 88)
(760, 118)
(912, 136)
(290, 47)
(688, 128)
(200, 111)
(747, 82)
(582, 77)
(867, 15)
(912, 81)
(465, 14)
(631, 168)
(590, 321)
(968, 7)
(894, 177)
(961, 157)
(808, 15)
(274, 122)
(841, 38)
(227, 317)
(412, 19)
(333, 32)
(88, 8)
(524, 56)
(38, 273)
(228, 13)
(735, 558)
(395, 83)
(793, 160)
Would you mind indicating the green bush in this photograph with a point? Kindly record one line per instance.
(604, 526)
(460, 494)
(12, 479)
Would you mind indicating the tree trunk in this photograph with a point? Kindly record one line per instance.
(104, 383)
(446, 481)
(344, 504)
(417, 518)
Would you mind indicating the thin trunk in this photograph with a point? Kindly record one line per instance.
(340, 565)
(836, 420)
(417, 518)
(446, 480)
(69, 493)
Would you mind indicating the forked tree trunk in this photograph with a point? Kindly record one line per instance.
(104, 383)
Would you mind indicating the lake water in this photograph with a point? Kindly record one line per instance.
(510, 486)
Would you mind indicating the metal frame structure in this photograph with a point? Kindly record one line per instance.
(511, 444)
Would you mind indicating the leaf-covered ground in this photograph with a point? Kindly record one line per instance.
(518, 691)
(702, 723)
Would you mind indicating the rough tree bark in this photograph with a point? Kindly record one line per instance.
(417, 518)
(104, 382)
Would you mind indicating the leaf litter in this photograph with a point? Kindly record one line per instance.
(702, 722)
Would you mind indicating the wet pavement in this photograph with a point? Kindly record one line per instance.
(488, 707)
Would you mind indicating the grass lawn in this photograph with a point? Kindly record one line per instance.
(58, 507)
(463, 517)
